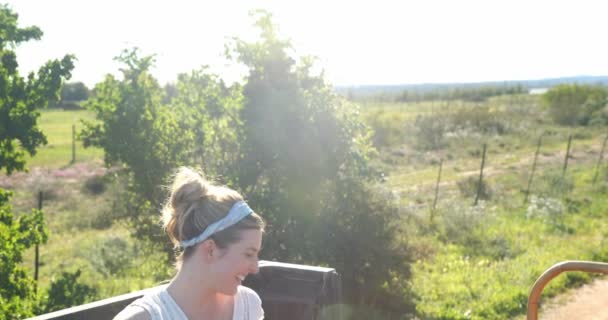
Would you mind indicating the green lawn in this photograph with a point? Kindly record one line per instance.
(57, 126)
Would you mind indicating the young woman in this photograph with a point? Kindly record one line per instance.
(220, 237)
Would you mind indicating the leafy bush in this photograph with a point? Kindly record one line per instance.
(459, 220)
(434, 131)
(95, 185)
(553, 184)
(480, 119)
(65, 291)
(574, 104)
(469, 186)
(430, 132)
(599, 117)
(549, 210)
(468, 226)
(111, 257)
(374, 278)
(388, 127)
(17, 288)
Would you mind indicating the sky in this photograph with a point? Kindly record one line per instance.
(356, 42)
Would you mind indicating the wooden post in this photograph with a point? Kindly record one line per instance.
(533, 169)
(483, 162)
(37, 257)
(567, 156)
(599, 161)
(73, 143)
(436, 190)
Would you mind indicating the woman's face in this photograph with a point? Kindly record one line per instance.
(237, 261)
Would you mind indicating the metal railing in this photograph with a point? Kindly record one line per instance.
(288, 291)
(554, 271)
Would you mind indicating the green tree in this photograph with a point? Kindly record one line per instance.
(66, 292)
(296, 135)
(17, 289)
(305, 167)
(76, 91)
(19, 134)
(574, 104)
(210, 110)
(137, 131)
(197, 124)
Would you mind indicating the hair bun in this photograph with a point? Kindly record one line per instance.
(188, 187)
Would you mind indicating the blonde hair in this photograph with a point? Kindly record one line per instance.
(194, 203)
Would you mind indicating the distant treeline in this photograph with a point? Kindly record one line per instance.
(468, 94)
(440, 93)
(72, 96)
(466, 91)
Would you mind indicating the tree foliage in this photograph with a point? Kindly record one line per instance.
(574, 104)
(197, 125)
(210, 109)
(19, 97)
(140, 133)
(76, 91)
(66, 292)
(136, 129)
(297, 136)
(17, 288)
(306, 167)
(19, 134)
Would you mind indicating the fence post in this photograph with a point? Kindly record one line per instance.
(567, 156)
(479, 184)
(436, 190)
(37, 257)
(599, 161)
(533, 169)
(73, 143)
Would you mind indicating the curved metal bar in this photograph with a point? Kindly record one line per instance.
(554, 271)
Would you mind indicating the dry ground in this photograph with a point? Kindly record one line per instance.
(589, 302)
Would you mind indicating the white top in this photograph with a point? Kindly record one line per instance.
(160, 306)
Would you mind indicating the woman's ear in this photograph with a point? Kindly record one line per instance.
(209, 249)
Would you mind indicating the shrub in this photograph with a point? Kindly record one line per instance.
(430, 132)
(554, 184)
(111, 257)
(480, 119)
(550, 211)
(388, 127)
(66, 292)
(468, 187)
(573, 104)
(95, 185)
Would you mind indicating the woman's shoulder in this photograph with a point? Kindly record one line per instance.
(250, 304)
(133, 313)
(148, 307)
(249, 294)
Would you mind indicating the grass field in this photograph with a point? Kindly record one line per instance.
(469, 262)
(57, 126)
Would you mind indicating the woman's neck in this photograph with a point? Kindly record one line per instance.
(196, 296)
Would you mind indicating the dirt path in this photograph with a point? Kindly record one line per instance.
(585, 303)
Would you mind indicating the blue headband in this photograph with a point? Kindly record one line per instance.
(238, 211)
